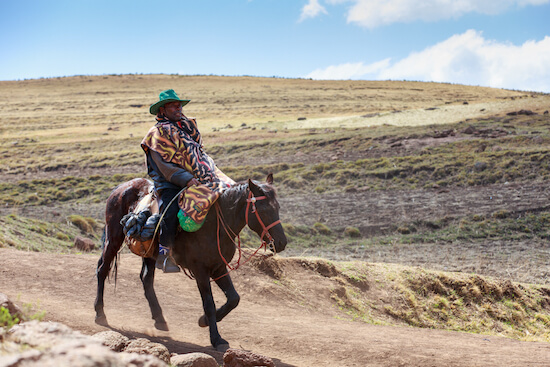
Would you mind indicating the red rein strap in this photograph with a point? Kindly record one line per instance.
(252, 200)
(265, 232)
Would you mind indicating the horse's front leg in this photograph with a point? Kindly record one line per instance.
(233, 298)
(203, 283)
(147, 276)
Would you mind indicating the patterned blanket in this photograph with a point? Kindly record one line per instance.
(181, 144)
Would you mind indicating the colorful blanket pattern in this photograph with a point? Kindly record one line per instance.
(182, 145)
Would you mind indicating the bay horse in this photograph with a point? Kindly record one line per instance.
(205, 253)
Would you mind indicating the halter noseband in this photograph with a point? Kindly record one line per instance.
(265, 229)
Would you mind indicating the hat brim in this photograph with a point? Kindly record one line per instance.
(154, 109)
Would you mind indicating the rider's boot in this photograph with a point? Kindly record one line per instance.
(167, 238)
(166, 262)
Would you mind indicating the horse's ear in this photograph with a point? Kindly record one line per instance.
(269, 178)
(253, 187)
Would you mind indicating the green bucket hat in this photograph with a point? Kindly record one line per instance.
(166, 96)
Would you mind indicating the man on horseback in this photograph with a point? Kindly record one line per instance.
(176, 159)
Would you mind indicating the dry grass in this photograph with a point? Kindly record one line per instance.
(392, 294)
(66, 142)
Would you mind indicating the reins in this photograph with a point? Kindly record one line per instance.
(252, 200)
(265, 232)
(221, 223)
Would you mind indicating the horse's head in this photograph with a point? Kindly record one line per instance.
(263, 214)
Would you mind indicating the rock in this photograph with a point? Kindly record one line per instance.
(57, 345)
(521, 112)
(84, 244)
(480, 166)
(113, 340)
(45, 335)
(481, 148)
(443, 134)
(193, 360)
(469, 130)
(301, 118)
(526, 112)
(243, 358)
(144, 346)
(140, 360)
(12, 308)
(74, 354)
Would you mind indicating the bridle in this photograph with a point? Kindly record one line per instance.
(265, 229)
(250, 202)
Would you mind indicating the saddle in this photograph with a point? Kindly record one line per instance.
(140, 226)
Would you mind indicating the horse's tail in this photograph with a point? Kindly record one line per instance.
(116, 267)
(113, 268)
(103, 240)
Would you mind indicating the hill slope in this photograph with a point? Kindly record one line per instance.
(445, 177)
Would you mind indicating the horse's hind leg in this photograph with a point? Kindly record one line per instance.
(147, 278)
(109, 253)
(226, 285)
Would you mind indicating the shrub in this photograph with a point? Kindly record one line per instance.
(61, 236)
(321, 228)
(478, 218)
(352, 232)
(85, 224)
(289, 228)
(6, 319)
(501, 214)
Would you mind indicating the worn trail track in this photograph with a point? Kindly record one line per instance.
(267, 321)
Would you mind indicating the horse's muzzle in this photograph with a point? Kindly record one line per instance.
(279, 239)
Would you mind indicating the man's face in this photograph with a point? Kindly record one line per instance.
(172, 111)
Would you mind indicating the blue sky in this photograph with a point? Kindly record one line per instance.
(497, 43)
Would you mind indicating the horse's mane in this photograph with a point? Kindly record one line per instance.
(232, 195)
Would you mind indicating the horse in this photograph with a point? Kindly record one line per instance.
(205, 254)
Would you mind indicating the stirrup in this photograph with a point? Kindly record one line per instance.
(170, 266)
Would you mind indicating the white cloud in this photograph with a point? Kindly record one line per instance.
(312, 9)
(349, 70)
(375, 13)
(466, 58)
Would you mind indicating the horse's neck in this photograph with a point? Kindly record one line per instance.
(233, 207)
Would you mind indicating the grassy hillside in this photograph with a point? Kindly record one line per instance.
(390, 294)
(446, 177)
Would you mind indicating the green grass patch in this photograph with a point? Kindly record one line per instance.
(66, 189)
(37, 235)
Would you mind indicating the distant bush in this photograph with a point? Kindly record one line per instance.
(85, 224)
(321, 228)
(289, 228)
(352, 232)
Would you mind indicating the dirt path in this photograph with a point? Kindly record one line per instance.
(267, 321)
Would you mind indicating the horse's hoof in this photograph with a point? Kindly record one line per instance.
(222, 347)
(203, 321)
(163, 326)
(101, 320)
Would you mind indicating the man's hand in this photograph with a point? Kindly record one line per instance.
(192, 182)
